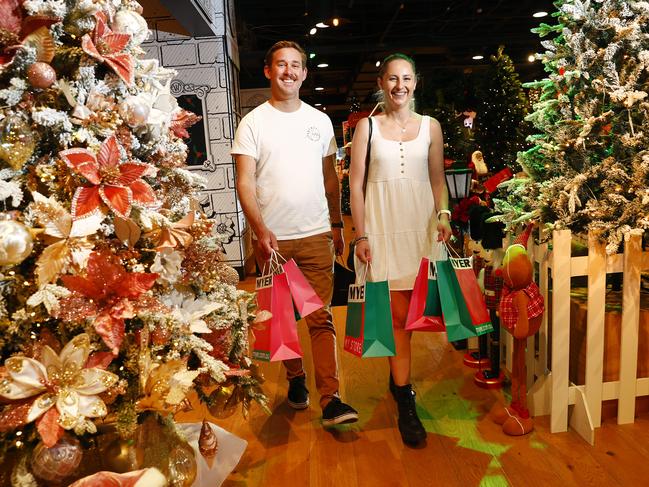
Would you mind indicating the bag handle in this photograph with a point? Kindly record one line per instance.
(366, 269)
(367, 153)
(272, 265)
(452, 252)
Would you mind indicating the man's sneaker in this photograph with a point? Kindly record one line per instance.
(298, 394)
(337, 412)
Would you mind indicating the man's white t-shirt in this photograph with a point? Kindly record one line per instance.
(288, 148)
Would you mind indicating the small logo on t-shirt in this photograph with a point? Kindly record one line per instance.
(313, 133)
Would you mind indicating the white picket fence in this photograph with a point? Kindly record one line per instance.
(550, 391)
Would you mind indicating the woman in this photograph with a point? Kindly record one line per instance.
(401, 212)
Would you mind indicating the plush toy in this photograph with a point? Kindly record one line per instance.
(521, 311)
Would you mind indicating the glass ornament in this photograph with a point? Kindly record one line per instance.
(16, 242)
(17, 140)
(221, 403)
(182, 465)
(58, 462)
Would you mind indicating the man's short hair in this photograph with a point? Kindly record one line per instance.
(268, 59)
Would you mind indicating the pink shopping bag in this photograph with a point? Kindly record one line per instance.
(276, 338)
(425, 312)
(305, 298)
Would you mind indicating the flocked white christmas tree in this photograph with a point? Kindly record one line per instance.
(114, 303)
(589, 166)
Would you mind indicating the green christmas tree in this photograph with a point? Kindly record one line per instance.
(500, 127)
(589, 166)
(114, 301)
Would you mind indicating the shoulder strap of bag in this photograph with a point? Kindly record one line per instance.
(367, 154)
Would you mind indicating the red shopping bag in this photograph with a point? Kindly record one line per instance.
(276, 338)
(472, 294)
(424, 311)
(305, 298)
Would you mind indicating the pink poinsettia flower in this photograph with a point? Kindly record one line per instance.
(106, 46)
(109, 294)
(115, 183)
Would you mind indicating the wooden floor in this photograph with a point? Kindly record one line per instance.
(464, 448)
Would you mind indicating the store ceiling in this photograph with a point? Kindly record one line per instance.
(439, 34)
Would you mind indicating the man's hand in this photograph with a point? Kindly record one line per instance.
(339, 240)
(267, 243)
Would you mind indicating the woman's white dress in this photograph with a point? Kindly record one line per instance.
(400, 218)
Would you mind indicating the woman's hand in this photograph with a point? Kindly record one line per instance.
(444, 231)
(362, 251)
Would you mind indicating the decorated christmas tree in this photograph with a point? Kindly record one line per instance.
(115, 309)
(500, 129)
(589, 167)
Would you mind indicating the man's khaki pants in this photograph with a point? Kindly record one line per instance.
(314, 256)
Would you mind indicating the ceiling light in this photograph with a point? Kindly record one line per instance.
(321, 25)
(378, 63)
(311, 55)
(539, 14)
(313, 31)
(335, 21)
(323, 65)
(478, 57)
(324, 108)
(531, 58)
(317, 104)
(319, 88)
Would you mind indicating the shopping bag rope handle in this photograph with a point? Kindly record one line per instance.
(277, 254)
(272, 265)
(366, 268)
(451, 251)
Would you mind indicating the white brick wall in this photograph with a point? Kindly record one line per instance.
(208, 71)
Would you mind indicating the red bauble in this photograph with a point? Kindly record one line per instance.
(41, 75)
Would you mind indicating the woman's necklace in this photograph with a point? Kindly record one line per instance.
(402, 127)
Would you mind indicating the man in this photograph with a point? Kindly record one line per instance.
(288, 188)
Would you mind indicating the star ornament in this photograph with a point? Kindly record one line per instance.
(117, 184)
(106, 46)
(58, 381)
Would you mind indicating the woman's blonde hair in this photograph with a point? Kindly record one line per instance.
(380, 96)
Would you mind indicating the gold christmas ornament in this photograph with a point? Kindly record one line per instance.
(207, 443)
(41, 75)
(182, 465)
(118, 454)
(58, 462)
(221, 402)
(17, 140)
(16, 242)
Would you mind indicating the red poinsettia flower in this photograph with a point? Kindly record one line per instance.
(115, 183)
(181, 120)
(106, 46)
(111, 295)
(32, 32)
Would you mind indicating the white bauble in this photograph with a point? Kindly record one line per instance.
(16, 242)
(135, 110)
(130, 22)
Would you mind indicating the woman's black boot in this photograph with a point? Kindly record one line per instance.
(410, 427)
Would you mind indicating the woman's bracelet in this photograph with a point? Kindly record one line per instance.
(444, 212)
(359, 239)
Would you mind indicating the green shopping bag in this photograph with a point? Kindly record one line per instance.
(457, 318)
(368, 328)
